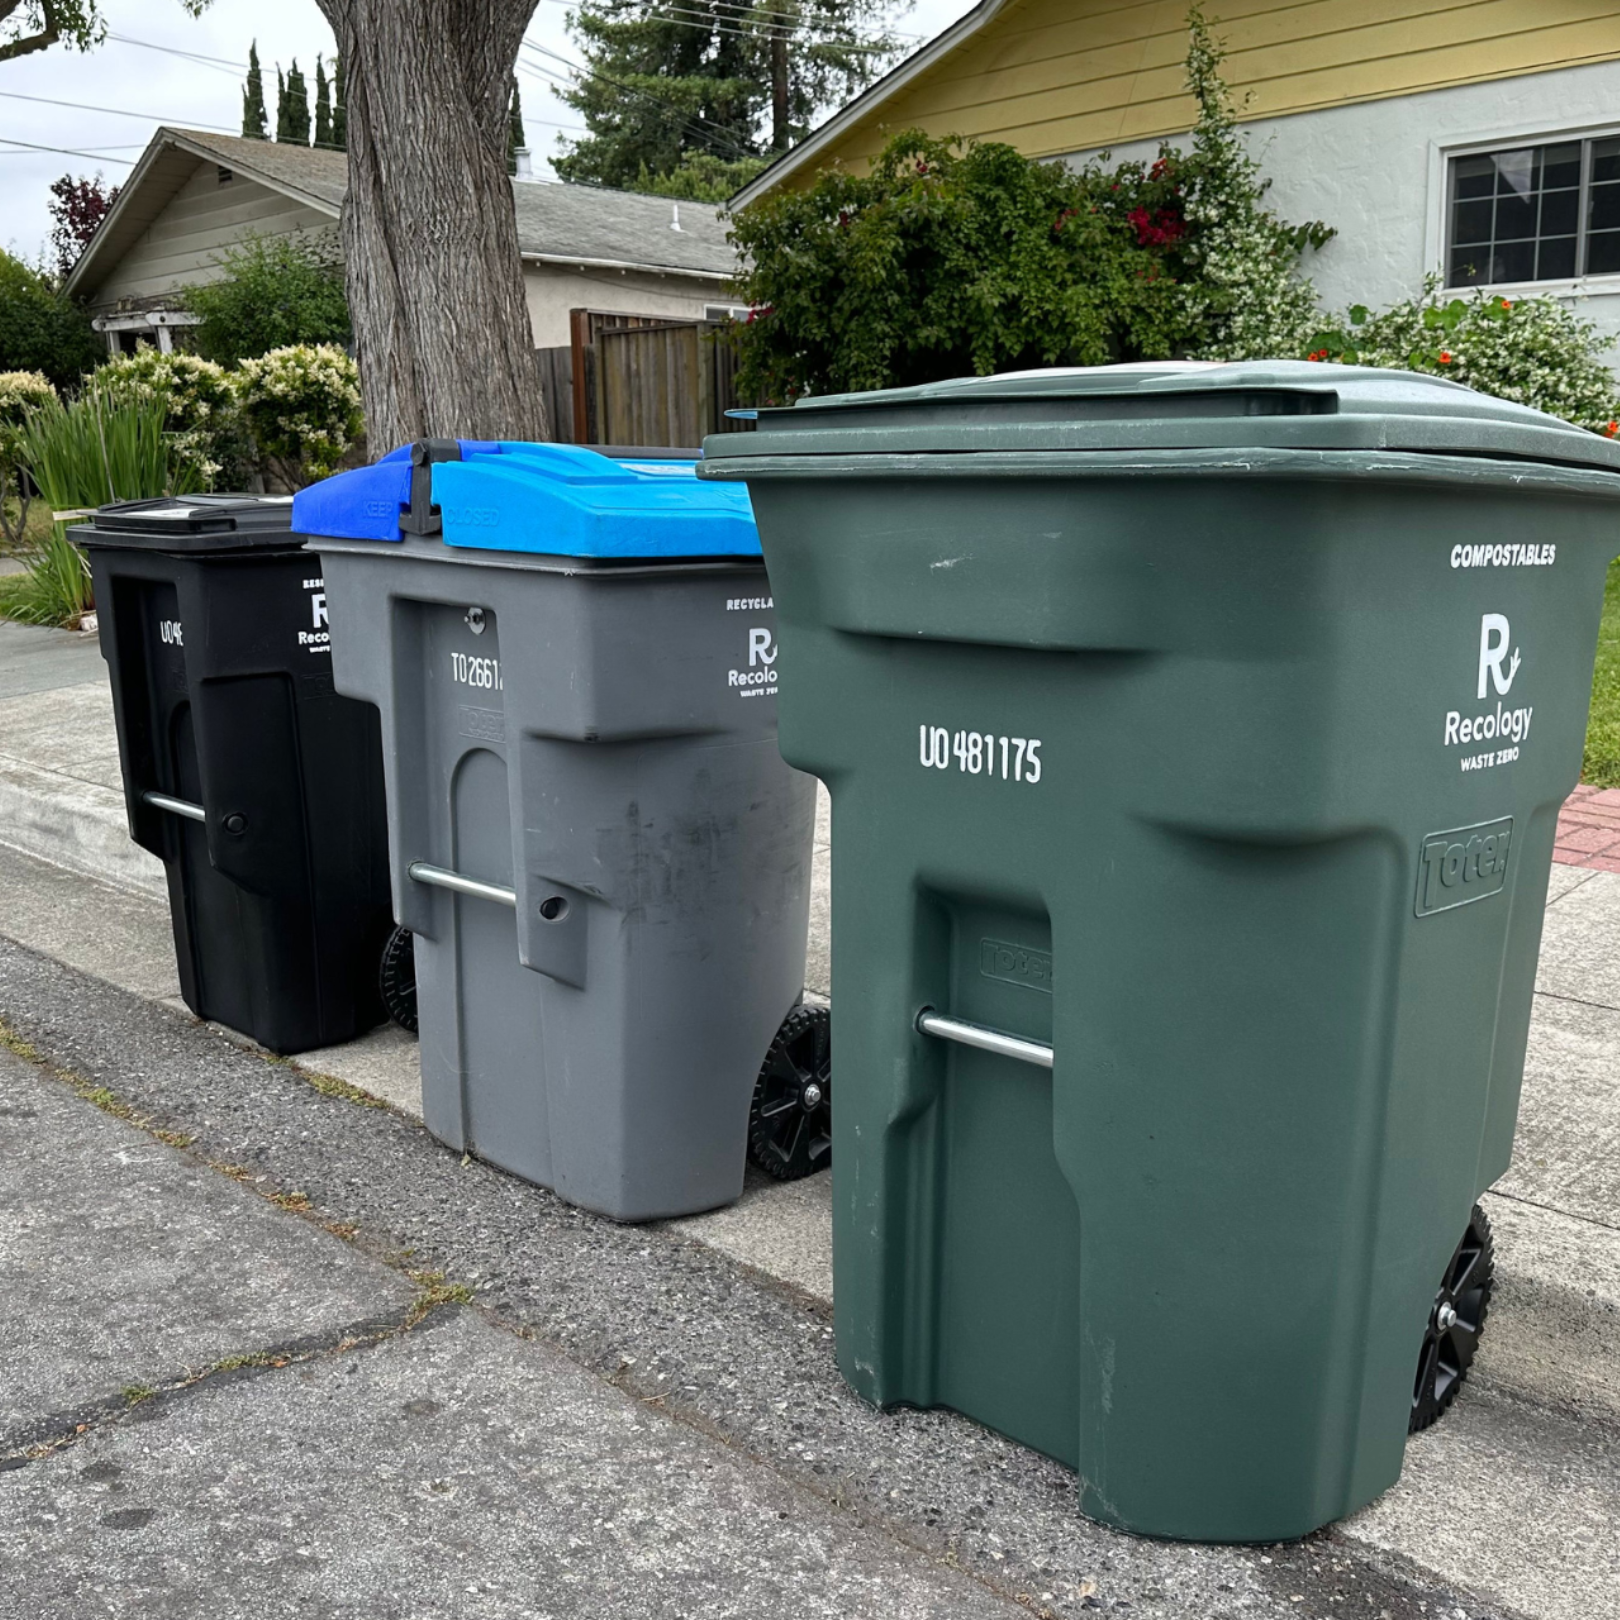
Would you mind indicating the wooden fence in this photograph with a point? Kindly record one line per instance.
(640, 379)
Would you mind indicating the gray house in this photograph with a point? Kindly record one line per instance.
(193, 195)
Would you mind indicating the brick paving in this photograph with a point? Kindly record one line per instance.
(1589, 829)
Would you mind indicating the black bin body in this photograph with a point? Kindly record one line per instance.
(258, 786)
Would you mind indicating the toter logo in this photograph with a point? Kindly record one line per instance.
(1456, 868)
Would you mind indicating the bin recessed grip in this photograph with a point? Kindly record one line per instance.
(984, 1038)
(423, 516)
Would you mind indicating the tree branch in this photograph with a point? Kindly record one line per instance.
(48, 35)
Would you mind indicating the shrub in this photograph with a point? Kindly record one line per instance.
(956, 256)
(302, 406)
(80, 455)
(275, 291)
(701, 177)
(20, 393)
(204, 422)
(1533, 351)
(40, 330)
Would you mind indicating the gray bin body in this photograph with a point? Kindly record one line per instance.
(605, 746)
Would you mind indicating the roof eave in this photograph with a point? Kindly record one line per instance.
(818, 140)
(165, 138)
(587, 263)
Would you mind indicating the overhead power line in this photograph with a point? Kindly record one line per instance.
(117, 112)
(741, 12)
(694, 123)
(679, 16)
(103, 156)
(222, 63)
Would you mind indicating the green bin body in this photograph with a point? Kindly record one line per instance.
(1208, 726)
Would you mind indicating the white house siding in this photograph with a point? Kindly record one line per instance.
(182, 246)
(1376, 171)
(553, 290)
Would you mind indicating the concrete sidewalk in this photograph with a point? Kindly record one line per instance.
(1510, 1506)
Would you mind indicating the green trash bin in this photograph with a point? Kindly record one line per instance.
(1196, 737)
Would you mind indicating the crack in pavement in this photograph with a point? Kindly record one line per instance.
(57, 1431)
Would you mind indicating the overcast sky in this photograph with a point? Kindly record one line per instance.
(137, 80)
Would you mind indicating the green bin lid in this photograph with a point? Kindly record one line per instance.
(1168, 405)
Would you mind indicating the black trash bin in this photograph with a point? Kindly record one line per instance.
(257, 786)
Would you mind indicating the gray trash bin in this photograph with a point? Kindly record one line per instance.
(602, 856)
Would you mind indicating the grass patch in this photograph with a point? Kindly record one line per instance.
(1602, 764)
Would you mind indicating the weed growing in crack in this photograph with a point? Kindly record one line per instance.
(434, 1291)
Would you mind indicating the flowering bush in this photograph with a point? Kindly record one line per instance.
(1533, 351)
(1240, 278)
(203, 423)
(21, 392)
(302, 405)
(956, 256)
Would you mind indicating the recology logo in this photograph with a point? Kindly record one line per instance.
(1499, 662)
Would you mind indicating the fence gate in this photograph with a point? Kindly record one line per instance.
(641, 379)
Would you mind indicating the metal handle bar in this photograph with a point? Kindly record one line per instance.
(175, 807)
(441, 877)
(984, 1038)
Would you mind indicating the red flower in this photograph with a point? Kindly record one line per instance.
(1318, 354)
(1445, 357)
(1159, 229)
(1612, 429)
(1507, 303)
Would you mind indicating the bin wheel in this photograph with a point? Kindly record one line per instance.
(1455, 1323)
(790, 1120)
(397, 979)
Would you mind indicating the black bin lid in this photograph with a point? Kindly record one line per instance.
(194, 523)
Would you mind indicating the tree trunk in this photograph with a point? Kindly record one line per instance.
(430, 241)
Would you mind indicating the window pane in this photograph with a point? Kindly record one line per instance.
(1561, 165)
(1605, 159)
(1474, 177)
(1559, 210)
(1555, 259)
(1605, 212)
(1514, 261)
(1468, 265)
(1515, 218)
(1515, 172)
(1471, 221)
(1603, 254)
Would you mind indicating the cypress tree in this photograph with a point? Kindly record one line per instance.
(340, 116)
(253, 113)
(297, 108)
(281, 104)
(323, 106)
(514, 128)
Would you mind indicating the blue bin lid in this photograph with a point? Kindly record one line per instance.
(554, 499)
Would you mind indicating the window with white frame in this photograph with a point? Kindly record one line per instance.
(1548, 212)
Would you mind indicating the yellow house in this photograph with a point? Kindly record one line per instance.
(1479, 140)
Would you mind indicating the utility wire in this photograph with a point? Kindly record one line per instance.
(223, 63)
(116, 112)
(742, 12)
(730, 27)
(103, 156)
(695, 123)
